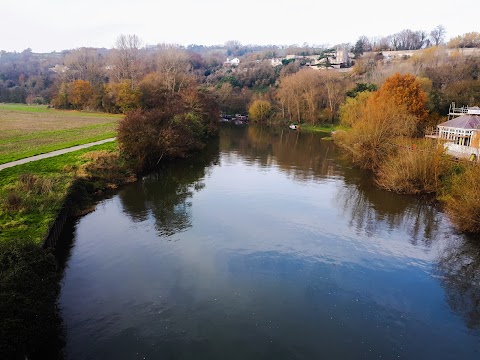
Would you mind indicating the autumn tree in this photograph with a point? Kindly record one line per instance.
(311, 95)
(121, 97)
(407, 91)
(260, 111)
(379, 123)
(353, 108)
(80, 94)
(468, 40)
(60, 99)
(334, 89)
(232, 100)
(153, 90)
(173, 131)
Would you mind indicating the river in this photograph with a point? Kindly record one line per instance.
(268, 245)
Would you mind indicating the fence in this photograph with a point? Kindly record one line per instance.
(51, 239)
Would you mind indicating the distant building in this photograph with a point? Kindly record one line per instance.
(59, 69)
(276, 62)
(232, 62)
(461, 132)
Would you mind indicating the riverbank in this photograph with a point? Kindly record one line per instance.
(327, 129)
(32, 194)
(32, 197)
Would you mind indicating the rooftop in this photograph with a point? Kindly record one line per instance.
(466, 121)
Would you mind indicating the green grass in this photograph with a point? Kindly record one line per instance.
(48, 110)
(28, 130)
(24, 146)
(40, 199)
(24, 107)
(324, 128)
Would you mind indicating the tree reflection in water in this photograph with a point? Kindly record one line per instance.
(459, 268)
(165, 193)
(301, 156)
(369, 209)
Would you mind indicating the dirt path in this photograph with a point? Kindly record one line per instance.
(53, 153)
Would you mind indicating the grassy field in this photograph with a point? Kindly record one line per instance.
(27, 130)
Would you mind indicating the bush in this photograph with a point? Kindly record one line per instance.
(180, 127)
(462, 201)
(29, 286)
(370, 140)
(414, 169)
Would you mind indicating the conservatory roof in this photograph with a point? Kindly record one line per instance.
(467, 121)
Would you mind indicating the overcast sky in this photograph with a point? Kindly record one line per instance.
(57, 25)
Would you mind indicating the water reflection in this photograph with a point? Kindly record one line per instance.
(286, 251)
(165, 193)
(369, 209)
(459, 268)
(301, 155)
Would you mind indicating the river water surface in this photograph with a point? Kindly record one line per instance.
(268, 246)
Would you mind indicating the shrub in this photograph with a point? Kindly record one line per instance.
(353, 108)
(13, 201)
(29, 286)
(370, 141)
(462, 201)
(414, 168)
(107, 169)
(181, 126)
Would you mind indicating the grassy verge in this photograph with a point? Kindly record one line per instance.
(32, 194)
(324, 128)
(27, 130)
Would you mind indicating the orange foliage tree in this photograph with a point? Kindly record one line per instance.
(405, 90)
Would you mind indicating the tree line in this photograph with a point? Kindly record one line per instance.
(119, 79)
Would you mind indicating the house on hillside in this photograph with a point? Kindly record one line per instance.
(461, 133)
(276, 62)
(232, 62)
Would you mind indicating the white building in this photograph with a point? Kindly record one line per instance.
(232, 62)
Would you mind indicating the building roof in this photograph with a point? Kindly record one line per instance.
(467, 121)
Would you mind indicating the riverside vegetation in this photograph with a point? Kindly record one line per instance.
(383, 135)
(33, 194)
(169, 117)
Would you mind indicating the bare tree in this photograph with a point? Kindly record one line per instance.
(437, 35)
(173, 63)
(126, 59)
(85, 64)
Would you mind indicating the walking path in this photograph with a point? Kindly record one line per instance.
(53, 153)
